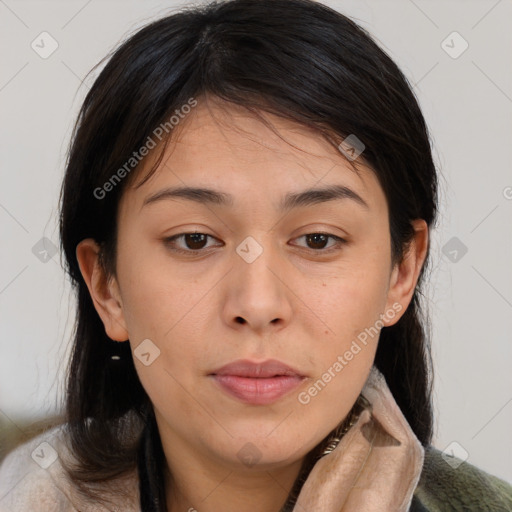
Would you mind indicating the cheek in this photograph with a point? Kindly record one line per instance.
(347, 351)
(350, 304)
(351, 299)
(169, 318)
(155, 297)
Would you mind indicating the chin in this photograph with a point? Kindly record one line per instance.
(265, 453)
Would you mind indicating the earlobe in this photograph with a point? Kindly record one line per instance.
(104, 292)
(404, 276)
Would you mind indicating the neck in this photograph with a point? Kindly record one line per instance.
(208, 486)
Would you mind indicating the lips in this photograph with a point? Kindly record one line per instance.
(265, 369)
(257, 383)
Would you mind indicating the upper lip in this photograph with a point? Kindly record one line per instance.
(264, 369)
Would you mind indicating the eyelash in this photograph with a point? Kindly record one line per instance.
(169, 242)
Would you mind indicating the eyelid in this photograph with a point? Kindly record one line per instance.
(170, 239)
(340, 241)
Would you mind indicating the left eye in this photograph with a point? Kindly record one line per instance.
(318, 241)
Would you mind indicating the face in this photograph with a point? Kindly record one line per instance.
(247, 273)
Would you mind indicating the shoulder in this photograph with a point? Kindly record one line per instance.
(451, 484)
(32, 477)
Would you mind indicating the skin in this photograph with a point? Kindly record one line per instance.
(298, 304)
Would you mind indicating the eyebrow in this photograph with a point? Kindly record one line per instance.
(290, 201)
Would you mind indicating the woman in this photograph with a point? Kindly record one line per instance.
(245, 216)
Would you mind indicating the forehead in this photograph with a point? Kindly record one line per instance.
(223, 146)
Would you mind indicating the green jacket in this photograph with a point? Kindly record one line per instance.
(458, 488)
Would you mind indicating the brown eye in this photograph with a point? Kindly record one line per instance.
(190, 242)
(318, 241)
(195, 241)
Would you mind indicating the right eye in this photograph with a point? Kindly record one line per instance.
(192, 243)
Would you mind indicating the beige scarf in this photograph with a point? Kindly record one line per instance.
(376, 465)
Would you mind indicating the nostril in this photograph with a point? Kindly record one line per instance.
(240, 320)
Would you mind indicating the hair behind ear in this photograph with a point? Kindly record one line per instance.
(151, 467)
(404, 358)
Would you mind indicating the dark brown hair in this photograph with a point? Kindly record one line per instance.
(297, 59)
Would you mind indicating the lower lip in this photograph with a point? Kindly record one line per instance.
(258, 391)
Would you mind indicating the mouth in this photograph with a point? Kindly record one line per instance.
(257, 383)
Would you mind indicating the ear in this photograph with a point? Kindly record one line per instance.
(104, 292)
(404, 275)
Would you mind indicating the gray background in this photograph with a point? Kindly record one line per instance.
(467, 102)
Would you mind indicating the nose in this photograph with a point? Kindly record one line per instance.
(257, 296)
